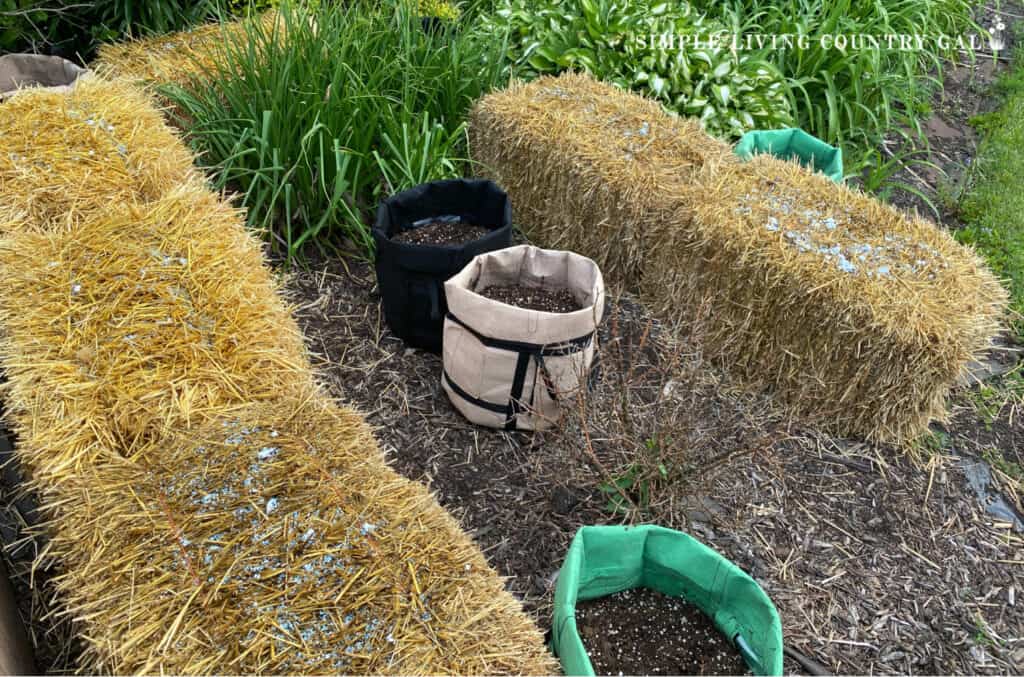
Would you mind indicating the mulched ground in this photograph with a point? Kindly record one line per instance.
(878, 562)
(441, 232)
(533, 298)
(643, 632)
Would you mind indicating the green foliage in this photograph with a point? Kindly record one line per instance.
(993, 206)
(114, 19)
(852, 97)
(731, 92)
(240, 7)
(632, 488)
(440, 9)
(74, 29)
(37, 25)
(878, 176)
(315, 129)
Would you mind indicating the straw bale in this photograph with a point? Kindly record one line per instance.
(141, 320)
(591, 168)
(859, 316)
(72, 155)
(277, 541)
(177, 57)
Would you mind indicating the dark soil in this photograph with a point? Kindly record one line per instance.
(533, 298)
(644, 632)
(441, 232)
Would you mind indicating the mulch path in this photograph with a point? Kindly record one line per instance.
(877, 562)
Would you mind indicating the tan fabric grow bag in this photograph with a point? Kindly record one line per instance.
(508, 367)
(20, 71)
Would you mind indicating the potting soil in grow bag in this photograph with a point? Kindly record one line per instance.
(411, 273)
(511, 366)
(616, 632)
(603, 561)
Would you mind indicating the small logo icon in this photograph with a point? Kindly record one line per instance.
(995, 36)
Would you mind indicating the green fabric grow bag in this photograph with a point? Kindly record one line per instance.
(605, 560)
(794, 144)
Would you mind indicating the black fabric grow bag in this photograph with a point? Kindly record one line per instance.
(411, 277)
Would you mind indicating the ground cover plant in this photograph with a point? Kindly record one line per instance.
(313, 143)
(847, 97)
(730, 92)
(993, 208)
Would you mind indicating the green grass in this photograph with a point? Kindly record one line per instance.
(315, 129)
(993, 206)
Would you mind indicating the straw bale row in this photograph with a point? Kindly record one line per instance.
(211, 510)
(860, 317)
(140, 322)
(72, 155)
(276, 541)
(177, 57)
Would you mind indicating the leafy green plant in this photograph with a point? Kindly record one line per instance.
(633, 487)
(731, 92)
(74, 29)
(440, 9)
(853, 96)
(113, 19)
(315, 129)
(878, 177)
(416, 154)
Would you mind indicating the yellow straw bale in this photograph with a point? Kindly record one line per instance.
(860, 316)
(142, 319)
(73, 155)
(277, 541)
(176, 57)
(589, 167)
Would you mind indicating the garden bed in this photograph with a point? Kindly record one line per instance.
(877, 562)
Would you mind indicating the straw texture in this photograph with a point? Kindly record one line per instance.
(860, 317)
(591, 168)
(211, 510)
(72, 155)
(276, 541)
(141, 321)
(176, 57)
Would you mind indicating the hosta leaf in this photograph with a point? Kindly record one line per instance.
(721, 93)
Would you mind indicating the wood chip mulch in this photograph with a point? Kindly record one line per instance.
(876, 561)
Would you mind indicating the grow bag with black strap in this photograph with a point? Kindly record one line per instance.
(411, 277)
(527, 355)
(509, 367)
(603, 560)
